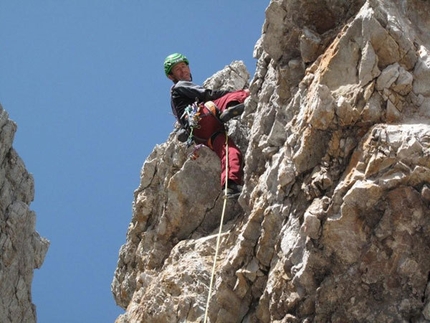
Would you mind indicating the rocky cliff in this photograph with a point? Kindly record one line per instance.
(333, 223)
(22, 249)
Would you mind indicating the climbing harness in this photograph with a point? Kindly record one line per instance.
(219, 232)
(193, 114)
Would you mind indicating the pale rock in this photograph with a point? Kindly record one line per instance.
(274, 41)
(310, 45)
(422, 73)
(277, 135)
(22, 248)
(368, 69)
(425, 193)
(311, 225)
(321, 107)
(426, 311)
(372, 111)
(393, 115)
(346, 114)
(403, 84)
(286, 173)
(233, 77)
(388, 76)
(332, 224)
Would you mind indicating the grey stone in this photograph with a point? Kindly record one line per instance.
(22, 248)
(332, 224)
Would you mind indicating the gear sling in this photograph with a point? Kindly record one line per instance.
(195, 114)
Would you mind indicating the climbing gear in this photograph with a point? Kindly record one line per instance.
(192, 115)
(232, 112)
(195, 153)
(219, 233)
(173, 59)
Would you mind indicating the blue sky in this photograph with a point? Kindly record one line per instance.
(84, 82)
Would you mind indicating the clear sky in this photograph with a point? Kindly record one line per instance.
(84, 82)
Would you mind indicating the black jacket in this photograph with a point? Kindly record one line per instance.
(184, 93)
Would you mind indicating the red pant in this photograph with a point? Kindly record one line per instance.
(212, 127)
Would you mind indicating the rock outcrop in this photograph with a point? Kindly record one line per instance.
(22, 248)
(333, 223)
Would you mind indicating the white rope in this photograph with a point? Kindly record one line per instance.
(220, 229)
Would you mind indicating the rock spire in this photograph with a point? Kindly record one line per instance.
(22, 248)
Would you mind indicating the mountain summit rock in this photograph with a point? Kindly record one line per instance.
(333, 221)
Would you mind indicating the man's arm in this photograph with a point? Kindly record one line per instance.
(193, 91)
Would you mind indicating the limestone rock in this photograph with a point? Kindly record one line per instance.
(22, 248)
(333, 221)
(178, 198)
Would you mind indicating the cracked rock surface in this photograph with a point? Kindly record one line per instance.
(333, 222)
(22, 248)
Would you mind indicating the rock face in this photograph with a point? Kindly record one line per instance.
(22, 249)
(333, 223)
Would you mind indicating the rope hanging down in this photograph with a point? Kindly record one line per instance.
(219, 232)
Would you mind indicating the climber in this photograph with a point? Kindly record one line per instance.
(212, 108)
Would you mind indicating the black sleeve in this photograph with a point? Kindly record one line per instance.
(185, 93)
(194, 91)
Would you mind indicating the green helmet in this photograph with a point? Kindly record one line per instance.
(173, 59)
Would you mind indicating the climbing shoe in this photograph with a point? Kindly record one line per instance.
(233, 190)
(232, 112)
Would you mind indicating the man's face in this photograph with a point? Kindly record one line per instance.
(180, 72)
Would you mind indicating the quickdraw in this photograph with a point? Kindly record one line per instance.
(192, 115)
